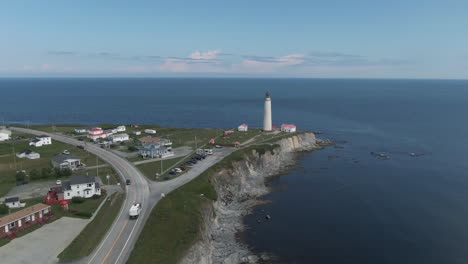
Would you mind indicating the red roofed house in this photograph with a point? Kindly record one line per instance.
(19, 220)
(228, 132)
(243, 127)
(97, 132)
(289, 128)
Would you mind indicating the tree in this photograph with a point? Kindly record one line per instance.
(20, 176)
(34, 174)
(3, 209)
(66, 172)
(46, 173)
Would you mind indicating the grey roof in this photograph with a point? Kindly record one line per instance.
(43, 136)
(60, 158)
(26, 151)
(66, 185)
(11, 199)
(81, 179)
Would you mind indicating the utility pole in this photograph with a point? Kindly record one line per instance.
(14, 154)
(97, 166)
(161, 167)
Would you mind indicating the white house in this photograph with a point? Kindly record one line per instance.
(137, 133)
(41, 141)
(243, 127)
(150, 131)
(97, 132)
(120, 129)
(5, 134)
(13, 202)
(81, 186)
(119, 137)
(63, 161)
(81, 130)
(27, 153)
(288, 128)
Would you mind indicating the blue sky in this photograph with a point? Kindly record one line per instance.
(329, 38)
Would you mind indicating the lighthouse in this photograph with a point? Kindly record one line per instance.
(267, 114)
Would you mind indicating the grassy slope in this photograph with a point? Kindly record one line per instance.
(151, 168)
(174, 224)
(93, 233)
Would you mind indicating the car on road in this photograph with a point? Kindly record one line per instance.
(58, 182)
(127, 182)
(80, 147)
(134, 211)
(66, 152)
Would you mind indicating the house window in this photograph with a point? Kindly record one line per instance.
(78, 192)
(12, 225)
(28, 218)
(87, 192)
(89, 185)
(68, 194)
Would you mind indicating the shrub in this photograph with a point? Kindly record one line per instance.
(132, 148)
(96, 196)
(46, 173)
(78, 200)
(66, 172)
(3, 209)
(34, 174)
(20, 176)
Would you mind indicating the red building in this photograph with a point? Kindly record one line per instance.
(19, 220)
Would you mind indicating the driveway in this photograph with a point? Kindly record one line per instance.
(44, 244)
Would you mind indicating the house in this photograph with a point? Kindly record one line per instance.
(41, 141)
(154, 150)
(228, 132)
(137, 132)
(243, 127)
(63, 161)
(5, 134)
(149, 139)
(13, 202)
(120, 128)
(81, 130)
(24, 218)
(97, 132)
(27, 153)
(288, 128)
(119, 137)
(80, 186)
(150, 131)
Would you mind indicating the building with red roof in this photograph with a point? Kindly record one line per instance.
(289, 128)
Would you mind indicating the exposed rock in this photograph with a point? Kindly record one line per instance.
(238, 189)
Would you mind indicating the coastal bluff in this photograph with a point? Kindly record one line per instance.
(238, 189)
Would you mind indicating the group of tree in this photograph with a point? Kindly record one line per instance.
(44, 173)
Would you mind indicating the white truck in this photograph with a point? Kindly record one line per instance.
(135, 210)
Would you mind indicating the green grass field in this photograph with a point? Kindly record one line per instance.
(93, 233)
(9, 163)
(239, 136)
(174, 224)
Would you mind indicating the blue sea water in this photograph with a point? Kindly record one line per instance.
(338, 205)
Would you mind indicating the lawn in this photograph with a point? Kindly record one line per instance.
(151, 168)
(93, 233)
(239, 136)
(174, 224)
(186, 136)
(9, 163)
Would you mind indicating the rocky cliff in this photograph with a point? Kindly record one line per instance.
(238, 188)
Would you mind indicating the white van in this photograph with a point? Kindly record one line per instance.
(135, 210)
(209, 151)
(150, 131)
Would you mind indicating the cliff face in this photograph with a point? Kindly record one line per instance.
(238, 188)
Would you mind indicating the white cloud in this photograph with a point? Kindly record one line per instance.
(270, 64)
(206, 55)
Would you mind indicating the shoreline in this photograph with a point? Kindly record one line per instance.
(239, 190)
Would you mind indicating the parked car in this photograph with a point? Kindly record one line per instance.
(58, 182)
(80, 147)
(66, 152)
(172, 172)
(127, 181)
(218, 146)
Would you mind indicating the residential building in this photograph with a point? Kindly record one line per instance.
(41, 141)
(149, 139)
(13, 202)
(24, 218)
(29, 154)
(81, 186)
(63, 161)
(288, 128)
(154, 150)
(243, 127)
(137, 133)
(5, 134)
(81, 130)
(119, 137)
(150, 131)
(97, 132)
(121, 128)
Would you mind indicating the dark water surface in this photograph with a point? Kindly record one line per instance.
(353, 208)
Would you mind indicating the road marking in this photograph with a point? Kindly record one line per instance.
(128, 239)
(115, 242)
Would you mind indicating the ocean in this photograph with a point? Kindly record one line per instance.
(337, 205)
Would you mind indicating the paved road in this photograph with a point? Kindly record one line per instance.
(119, 241)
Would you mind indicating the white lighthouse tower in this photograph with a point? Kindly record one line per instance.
(267, 114)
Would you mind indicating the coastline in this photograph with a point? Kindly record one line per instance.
(239, 189)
